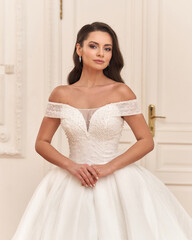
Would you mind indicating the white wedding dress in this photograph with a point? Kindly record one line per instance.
(130, 204)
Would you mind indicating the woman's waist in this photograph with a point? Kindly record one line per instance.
(93, 158)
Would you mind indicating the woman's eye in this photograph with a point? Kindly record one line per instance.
(108, 49)
(92, 46)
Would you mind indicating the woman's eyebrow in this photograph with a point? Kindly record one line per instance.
(98, 43)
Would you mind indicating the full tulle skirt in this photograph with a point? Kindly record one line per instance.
(130, 204)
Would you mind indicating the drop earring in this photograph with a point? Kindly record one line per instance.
(79, 58)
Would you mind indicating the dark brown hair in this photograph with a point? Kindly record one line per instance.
(116, 62)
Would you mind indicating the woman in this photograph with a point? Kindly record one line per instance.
(97, 193)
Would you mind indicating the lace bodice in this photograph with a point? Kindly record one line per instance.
(94, 133)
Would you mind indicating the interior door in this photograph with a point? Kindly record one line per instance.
(168, 85)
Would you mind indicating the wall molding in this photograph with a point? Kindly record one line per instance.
(11, 138)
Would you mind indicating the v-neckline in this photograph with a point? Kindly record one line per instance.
(87, 131)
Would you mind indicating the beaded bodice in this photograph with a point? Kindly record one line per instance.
(94, 133)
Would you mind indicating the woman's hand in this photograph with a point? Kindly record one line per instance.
(103, 170)
(84, 172)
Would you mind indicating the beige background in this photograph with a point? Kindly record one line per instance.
(155, 39)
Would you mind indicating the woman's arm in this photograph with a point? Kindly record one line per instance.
(43, 143)
(85, 173)
(144, 143)
(138, 125)
(47, 151)
(47, 130)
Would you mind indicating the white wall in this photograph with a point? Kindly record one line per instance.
(23, 101)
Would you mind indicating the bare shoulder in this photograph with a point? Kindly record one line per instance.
(125, 92)
(59, 94)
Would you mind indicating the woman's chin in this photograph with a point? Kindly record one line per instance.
(96, 68)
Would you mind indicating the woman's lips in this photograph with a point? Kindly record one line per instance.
(99, 61)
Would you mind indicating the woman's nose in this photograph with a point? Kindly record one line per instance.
(100, 52)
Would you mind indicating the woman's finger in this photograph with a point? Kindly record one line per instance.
(91, 177)
(83, 183)
(93, 172)
(85, 177)
(96, 170)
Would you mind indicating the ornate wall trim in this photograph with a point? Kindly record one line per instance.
(11, 131)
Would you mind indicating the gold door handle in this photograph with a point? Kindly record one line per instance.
(61, 9)
(151, 118)
(6, 69)
(157, 117)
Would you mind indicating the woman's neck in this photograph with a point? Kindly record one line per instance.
(91, 78)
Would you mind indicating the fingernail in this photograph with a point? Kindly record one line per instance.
(86, 185)
(97, 177)
(94, 185)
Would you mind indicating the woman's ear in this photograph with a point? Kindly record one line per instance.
(78, 49)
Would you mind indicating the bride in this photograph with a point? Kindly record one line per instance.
(96, 193)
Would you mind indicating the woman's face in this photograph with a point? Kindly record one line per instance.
(96, 51)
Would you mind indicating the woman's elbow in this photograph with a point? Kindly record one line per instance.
(37, 146)
(40, 145)
(151, 143)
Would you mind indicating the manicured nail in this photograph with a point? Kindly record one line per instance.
(86, 185)
(97, 178)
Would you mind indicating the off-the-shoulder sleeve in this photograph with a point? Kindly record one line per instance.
(54, 110)
(127, 108)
